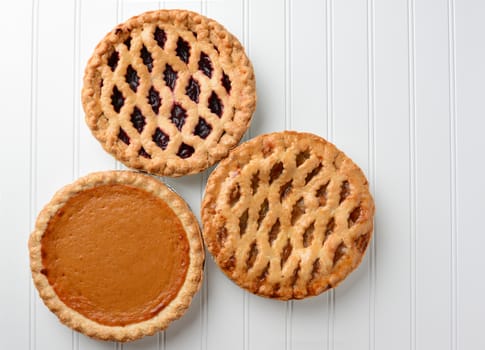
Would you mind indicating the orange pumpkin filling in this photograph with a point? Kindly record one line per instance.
(116, 254)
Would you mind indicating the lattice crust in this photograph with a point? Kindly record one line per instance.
(169, 92)
(287, 215)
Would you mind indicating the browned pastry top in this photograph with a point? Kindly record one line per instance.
(287, 215)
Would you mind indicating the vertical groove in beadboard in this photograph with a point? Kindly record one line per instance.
(203, 7)
(288, 126)
(245, 18)
(329, 39)
(288, 92)
(245, 320)
(33, 155)
(412, 168)
(76, 88)
(371, 161)
(453, 175)
(75, 113)
(330, 136)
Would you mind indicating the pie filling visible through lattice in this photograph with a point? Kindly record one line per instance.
(169, 92)
(287, 215)
(117, 255)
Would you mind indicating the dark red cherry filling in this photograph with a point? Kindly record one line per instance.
(160, 37)
(160, 138)
(144, 153)
(147, 58)
(226, 82)
(185, 151)
(123, 136)
(132, 78)
(205, 64)
(154, 99)
(193, 90)
(202, 129)
(169, 76)
(178, 116)
(183, 50)
(215, 104)
(117, 99)
(113, 60)
(138, 120)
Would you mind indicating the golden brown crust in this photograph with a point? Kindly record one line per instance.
(175, 309)
(287, 215)
(204, 35)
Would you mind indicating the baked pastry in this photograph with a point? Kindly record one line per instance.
(116, 255)
(287, 215)
(169, 92)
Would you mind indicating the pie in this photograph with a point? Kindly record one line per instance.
(169, 92)
(116, 255)
(287, 215)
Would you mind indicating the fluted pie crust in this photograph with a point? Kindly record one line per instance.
(169, 92)
(287, 215)
(149, 190)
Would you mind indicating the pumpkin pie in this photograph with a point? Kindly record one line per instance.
(287, 215)
(169, 92)
(116, 255)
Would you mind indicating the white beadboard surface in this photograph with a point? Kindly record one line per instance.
(398, 85)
